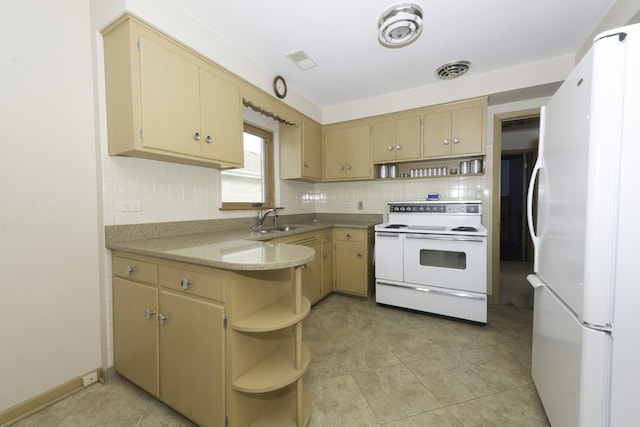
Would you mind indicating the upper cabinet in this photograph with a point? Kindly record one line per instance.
(347, 153)
(397, 140)
(456, 132)
(165, 102)
(301, 151)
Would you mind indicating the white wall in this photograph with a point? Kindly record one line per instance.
(49, 236)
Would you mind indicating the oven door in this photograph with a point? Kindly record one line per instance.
(388, 255)
(447, 261)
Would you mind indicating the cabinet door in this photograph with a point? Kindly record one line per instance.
(437, 134)
(312, 277)
(408, 138)
(135, 333)
(327, 267)
(192, 358)
(466, 127)
(311, 150)
(358, 155)
(351, 267)
(221, 117)
(170, 97)
(334, 153)
(384, 141)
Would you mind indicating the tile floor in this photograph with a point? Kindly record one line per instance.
(371, 366)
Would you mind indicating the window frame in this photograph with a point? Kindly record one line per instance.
(268, 169)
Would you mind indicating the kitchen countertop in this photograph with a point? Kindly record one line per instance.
(236, 249)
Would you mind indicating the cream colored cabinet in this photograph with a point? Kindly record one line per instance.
(397, 140)
(328, 275)
(223, 348)
(347, 153)
(135, 332)
(301, 151)
(352, 263)
(454, 133)
(165, 102)
(156, 345)
(317, 275)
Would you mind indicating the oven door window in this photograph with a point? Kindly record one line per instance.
(443, 259)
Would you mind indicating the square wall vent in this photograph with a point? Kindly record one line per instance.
(302, 60)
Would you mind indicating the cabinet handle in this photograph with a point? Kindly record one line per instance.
(197, 136)
(148, 313)
(130, 270)
(348, 236)
(341, 167)
(162, 318)
(348, 167)
(359, 255)
(324, 255)
(398, 147)
(456, 140)
(306, 164)
(208, 139)
(185, 283)
(390, 148)
(446, 141)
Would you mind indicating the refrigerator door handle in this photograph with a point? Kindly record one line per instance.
(535, 281)
(532, 185)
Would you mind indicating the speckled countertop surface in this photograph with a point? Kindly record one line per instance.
(231, 249)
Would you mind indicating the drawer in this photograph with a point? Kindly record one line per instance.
(350, 234)
(135, 270)
(190, 282)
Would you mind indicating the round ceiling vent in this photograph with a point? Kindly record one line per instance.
(400, 25)
(453, 69)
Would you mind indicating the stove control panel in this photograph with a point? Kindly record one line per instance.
(439, 208)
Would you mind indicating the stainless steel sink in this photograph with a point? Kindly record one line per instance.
(278, 229)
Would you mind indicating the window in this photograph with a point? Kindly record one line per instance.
(252, 186)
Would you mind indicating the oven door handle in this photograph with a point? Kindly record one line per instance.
(437, 292)
(454, 238)
(387, 234)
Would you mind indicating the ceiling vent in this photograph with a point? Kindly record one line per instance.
(302, 60)
(453, 69)
(400, 25)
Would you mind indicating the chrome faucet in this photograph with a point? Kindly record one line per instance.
(262, 215)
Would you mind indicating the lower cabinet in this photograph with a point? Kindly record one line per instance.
(317, 275)
(353, 265)
(223, 348)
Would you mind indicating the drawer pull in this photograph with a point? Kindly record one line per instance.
(324, 255)
(130, 270)
(359, 255)
(149, 313)
(185, 283)
(162, 318)
(348, 236)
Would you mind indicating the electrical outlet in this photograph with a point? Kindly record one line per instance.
(130, 206)
(89, 379)
(360, 206)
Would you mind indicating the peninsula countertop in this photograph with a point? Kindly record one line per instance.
(235, 249)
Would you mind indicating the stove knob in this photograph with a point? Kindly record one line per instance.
(402, 209)
(421, 209)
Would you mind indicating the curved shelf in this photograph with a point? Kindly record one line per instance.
(277, 315)
(275, 372)
(282, 412)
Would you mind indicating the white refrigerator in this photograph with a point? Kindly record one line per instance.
(586, 235)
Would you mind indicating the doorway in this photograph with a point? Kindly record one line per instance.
(518, 150)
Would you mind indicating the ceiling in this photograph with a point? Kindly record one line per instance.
(341, 36)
